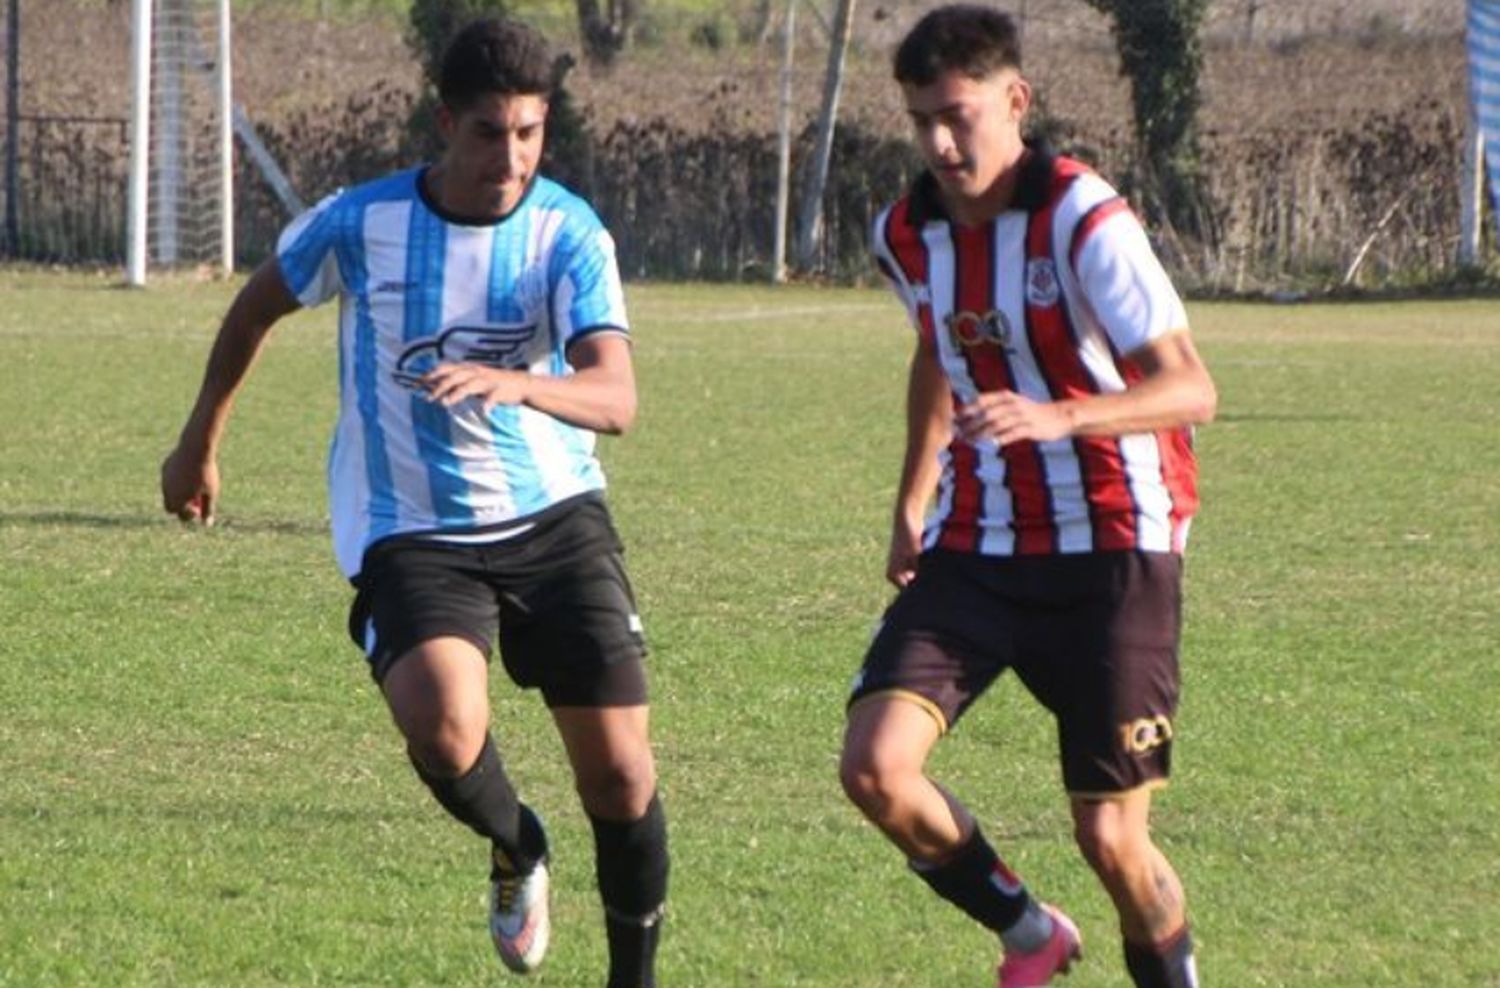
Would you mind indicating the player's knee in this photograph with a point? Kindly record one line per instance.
(1108, 843)
(446, 742)
(872, 783)
(619, 789)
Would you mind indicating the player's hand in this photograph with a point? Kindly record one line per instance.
(190, 486)
(905, 550)
(449, 384)
(1007, 417)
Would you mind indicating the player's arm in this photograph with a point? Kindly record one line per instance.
(929, 427)
(598, 395)
(190, 474)
(1175, 389)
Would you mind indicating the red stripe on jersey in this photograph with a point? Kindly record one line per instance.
(1054, 342)
(1179, 469)
(1025, 475)
(1091, 221)
(904, 240)
(905, 243)
(971, 293)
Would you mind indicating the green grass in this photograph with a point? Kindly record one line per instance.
(200, 785)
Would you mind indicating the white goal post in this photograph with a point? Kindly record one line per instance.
(181, 191)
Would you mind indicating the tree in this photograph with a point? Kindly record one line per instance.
(810, 218)
(1160, 53)
(606, 32)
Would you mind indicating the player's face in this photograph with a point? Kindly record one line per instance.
(969, 130)
(493, 147)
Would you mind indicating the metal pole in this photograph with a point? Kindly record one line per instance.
(226, 143)
(13, 130)
(1472, 192)
(784, 143)
(140, 138)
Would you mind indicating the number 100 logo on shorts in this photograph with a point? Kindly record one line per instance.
(1146, 733)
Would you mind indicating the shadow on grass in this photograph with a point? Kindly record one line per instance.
(81, 519)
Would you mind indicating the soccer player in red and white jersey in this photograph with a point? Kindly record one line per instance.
(1051, 397)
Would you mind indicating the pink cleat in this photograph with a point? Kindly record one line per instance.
(1035, 969)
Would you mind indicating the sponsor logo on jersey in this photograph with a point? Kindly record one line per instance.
(973, 329)
(1041, 282)
(496, 346)
(393, 287)
(921, 293)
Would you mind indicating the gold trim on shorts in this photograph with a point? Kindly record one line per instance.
(896, 693)
(1149, 784)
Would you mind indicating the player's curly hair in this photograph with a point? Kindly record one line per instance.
(975, 40)
(495, 55)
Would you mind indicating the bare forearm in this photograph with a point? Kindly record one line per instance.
(597, 399)
(929, 428)
(1174, 397)
(262, 301)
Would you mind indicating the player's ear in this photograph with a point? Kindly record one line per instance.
(1018, 96)
(446, 122)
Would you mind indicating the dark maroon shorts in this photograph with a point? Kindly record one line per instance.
(1092, 636)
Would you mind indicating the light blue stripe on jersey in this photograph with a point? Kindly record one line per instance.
(304, 256)
(426, 259)
(507, 261)
(382, 487)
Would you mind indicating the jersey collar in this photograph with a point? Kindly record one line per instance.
(1031, 189)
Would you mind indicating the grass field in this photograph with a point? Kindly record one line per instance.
(198, 784)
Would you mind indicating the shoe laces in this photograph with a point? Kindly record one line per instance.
(507, 889)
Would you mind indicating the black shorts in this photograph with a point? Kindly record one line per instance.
(557, 594)
(1093, 637)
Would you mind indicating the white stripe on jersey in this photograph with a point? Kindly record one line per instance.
(417, 289)
(1121, 274)
(1142, 454)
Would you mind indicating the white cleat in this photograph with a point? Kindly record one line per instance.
(519, 922)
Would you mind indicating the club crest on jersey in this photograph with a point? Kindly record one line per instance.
(972, 329)
(1041, 282)
(497, 346)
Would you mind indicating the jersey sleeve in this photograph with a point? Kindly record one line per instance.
(1122, 279)
(587, 295)
(892, 273)
(306, 252)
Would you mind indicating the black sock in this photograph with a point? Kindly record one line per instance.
(630, 861)
(976, 881)
(1168, 964)
(484, 799)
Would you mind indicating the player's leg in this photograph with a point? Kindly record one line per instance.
(917, 679)
(1115, 839)
(437, 693)
(1105, 663)
(569, 626)
(613, 768)
(886, 745)
(424, 617)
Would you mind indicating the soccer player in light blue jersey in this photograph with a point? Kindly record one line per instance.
(483, 343)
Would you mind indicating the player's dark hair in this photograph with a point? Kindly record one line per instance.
(496, 55)
(968, 38)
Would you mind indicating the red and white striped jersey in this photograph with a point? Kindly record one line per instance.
(1046, 300)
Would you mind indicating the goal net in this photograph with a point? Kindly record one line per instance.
(181, 209)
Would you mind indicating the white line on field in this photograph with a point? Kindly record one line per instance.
(757, 313)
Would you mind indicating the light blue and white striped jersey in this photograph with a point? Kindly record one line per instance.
(417, 287)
